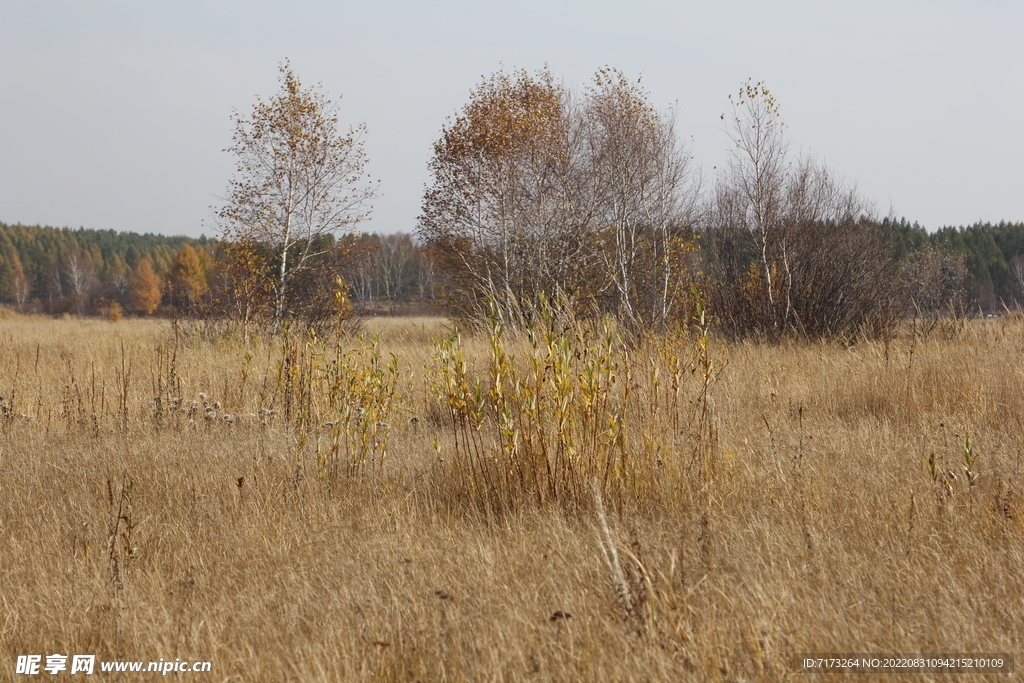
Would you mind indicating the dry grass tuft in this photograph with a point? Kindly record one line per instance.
(405, 508)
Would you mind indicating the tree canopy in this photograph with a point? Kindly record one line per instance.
(298, 183)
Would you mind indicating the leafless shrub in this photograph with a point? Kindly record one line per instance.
(789, 248)
(933, 286)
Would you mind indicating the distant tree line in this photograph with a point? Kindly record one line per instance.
(393, 274)
(993, 255)
(59, 270)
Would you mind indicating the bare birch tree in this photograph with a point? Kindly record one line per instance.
(120, 278)
(647, 198)
(394, 262)
(755, 175)
(81, 276)
(297, 181)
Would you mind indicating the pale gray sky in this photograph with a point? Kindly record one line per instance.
(113, 114)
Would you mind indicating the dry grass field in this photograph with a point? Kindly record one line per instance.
(566, 508)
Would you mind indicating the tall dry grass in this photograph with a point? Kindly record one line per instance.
(310, 511)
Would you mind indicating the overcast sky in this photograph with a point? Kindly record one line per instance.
(114, 114)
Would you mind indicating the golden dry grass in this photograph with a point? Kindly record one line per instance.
(790, 509)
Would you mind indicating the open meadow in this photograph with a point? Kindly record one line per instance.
(558, 506)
